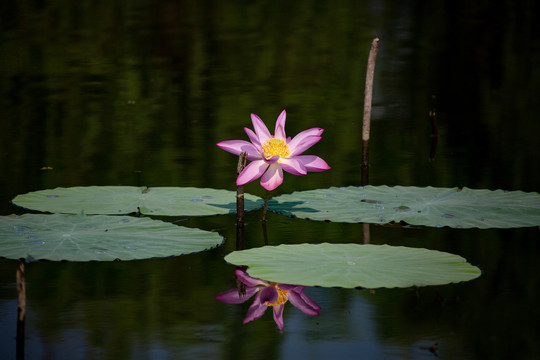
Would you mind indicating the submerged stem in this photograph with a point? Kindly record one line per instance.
(21, 310)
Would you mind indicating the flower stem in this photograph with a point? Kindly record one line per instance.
(265, 208)
(368, 95)
(240, 205)
(240, 192)
(265, 233)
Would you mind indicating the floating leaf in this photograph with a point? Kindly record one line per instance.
(167, 201)
(428, 206)
(353, 265)
(99, 237)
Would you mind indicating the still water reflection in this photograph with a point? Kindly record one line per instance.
(268, 294)
(110, 93)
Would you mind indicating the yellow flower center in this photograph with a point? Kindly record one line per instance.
(273, 147)
(283, 296)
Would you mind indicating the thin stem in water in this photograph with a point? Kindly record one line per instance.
(368, 96)
(240, 192)
(265, 208)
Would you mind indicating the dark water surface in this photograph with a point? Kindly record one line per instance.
(138, 93)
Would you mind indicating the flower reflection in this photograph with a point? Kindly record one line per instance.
(271, 154)
(268, 294)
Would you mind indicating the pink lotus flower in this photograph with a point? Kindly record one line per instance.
(269, 294)
(270, 155)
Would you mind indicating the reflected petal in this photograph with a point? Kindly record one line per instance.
(248, 280)
(269, 294)
(304, 303)
(256, 310)
(278, 316)
(233, 297)
(297, 288)
(310, 302)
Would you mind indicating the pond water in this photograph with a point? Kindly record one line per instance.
(138, 93)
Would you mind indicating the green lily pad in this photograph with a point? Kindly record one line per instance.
(99, 238)
(165, 201)
(353, 265)
(427, 206)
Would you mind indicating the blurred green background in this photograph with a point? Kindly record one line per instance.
(139, 92)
